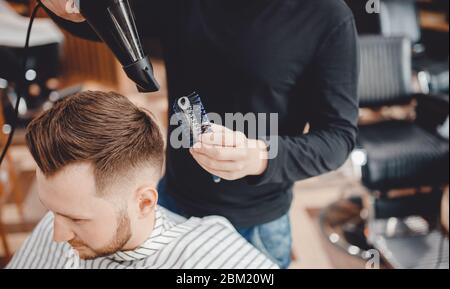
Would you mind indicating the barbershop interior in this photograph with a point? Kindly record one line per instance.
(387, 207)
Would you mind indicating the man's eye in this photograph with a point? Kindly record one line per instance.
(78, 220)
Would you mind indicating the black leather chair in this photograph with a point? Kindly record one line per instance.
(401, 155)
(401, 18)
(393, 155)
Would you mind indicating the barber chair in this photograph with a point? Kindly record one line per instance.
(406, 157)
(401, 18)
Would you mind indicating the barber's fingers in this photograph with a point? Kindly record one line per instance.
(221, 153)
(207, 166)
(226, 175)
(226, 139)
(71, 8)
(223, 136)
(58, 7)
(219, 128)
(217, 165)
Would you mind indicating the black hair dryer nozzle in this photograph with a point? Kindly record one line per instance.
(114, 23)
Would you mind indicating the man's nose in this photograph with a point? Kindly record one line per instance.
(61, 231)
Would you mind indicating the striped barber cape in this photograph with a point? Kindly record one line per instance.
(175, 243)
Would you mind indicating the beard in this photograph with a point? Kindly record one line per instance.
(121, 237)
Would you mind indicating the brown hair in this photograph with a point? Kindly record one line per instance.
(105, 129)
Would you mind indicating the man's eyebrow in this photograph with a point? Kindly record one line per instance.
(61, 214)
(71, 217)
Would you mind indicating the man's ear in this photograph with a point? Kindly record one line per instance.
(147, 198)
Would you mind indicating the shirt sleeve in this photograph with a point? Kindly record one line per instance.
(334, 114)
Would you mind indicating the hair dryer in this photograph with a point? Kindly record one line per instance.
(114, 23)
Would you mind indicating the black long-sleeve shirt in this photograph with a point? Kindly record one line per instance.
(297, 58)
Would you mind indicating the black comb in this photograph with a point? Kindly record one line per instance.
(192, 117)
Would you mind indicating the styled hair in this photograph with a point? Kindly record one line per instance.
(102, 128)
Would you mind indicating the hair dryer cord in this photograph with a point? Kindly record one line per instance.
(22, 83)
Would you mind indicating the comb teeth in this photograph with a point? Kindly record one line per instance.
(195, 125)
(192, 117)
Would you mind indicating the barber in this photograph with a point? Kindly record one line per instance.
(296, 58)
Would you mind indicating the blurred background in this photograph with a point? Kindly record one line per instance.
(388, 203)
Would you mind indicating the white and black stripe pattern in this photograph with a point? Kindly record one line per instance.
(207, 243)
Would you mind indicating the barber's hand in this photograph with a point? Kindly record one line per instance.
(62, 8)
(230, 155)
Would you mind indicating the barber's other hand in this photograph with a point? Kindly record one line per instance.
(230, 155)
(59, 8)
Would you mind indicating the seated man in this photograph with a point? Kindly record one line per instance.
(99, 160)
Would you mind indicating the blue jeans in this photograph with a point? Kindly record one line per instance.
(273, 239)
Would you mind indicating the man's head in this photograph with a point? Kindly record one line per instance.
(100, 158)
